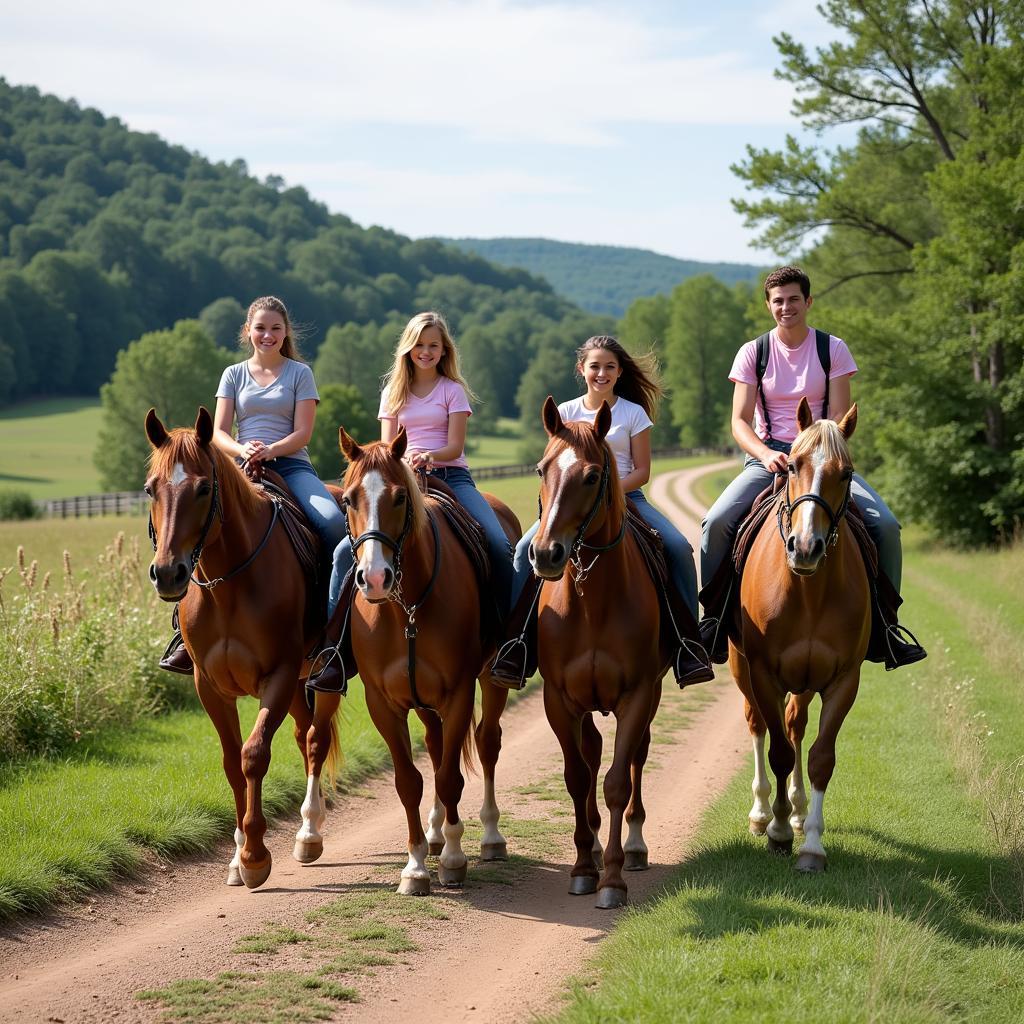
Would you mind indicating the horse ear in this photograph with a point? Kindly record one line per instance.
(204, 426)
(400, 443)
(551, 417)
(347, 445)
(803, 414)
(155, 430)
(848, 424)
(603, 421)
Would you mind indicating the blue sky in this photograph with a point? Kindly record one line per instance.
(610, 123)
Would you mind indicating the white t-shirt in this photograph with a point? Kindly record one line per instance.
(628, 420)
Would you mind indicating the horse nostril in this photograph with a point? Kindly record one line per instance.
(181, 573)
(152, 571)
(389, 577)
(557, 552)
(531, 554)
(818, 549)
(791, 544)
(360, 579)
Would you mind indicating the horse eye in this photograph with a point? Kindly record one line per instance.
(203, 489)
(791, 469)
(591, 478)
(400, 499)
(540, 472)
(149, 490)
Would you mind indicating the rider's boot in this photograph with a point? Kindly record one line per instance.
(691, 664)
(516, 659)
(330, 671)
(176, 657)
(715, 639)
(892, 644)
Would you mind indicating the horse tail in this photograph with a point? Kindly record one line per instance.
(469, 765)
(335, 759)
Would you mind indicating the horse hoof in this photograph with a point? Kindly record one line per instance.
(414, 887)
(582, 885)
(758, 828)
(780, 847)
(434, 849)
(494, 851)
(307, 851)
(636, 860)
(610, 898)
(255, 876)
(451, 876)
(811, 863)
(234, 875)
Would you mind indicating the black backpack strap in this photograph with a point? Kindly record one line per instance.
(763, 352)
(822, 340)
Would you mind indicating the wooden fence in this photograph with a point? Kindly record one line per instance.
(130, 503)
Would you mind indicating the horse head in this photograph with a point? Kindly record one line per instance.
(817, 488)
(384, 508)
(182, 486)
(579, 483)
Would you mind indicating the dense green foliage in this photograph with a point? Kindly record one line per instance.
(107, 233)
(919, 264)
(17, 505)
(600, 278)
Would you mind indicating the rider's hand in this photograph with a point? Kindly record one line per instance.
(775, 462)
(420, 460)
(254, 451)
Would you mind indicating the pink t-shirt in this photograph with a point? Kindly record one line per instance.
(426, 419)
(791, 374)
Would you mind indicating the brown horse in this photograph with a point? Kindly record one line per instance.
(242, 607)
(416, 635)
(599, 645)
(805, 621)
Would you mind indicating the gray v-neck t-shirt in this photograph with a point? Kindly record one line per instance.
(268, 413)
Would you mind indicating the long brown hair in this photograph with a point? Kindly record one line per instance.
(640, 381)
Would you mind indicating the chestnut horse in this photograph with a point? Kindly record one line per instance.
(242, 605)
(416, 635)
(599, 644)
(805, 621)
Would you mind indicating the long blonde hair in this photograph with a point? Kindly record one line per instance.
(398, 379)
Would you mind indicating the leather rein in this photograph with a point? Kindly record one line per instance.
(395, 595)
(216, 509)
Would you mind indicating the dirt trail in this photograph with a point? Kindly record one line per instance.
(498, 950)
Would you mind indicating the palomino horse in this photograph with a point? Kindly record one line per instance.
(805, 621)
(599, 644)
(416, 635)
(242, 608)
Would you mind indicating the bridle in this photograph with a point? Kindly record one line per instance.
(579, 544)
(216, 509)
(395, 594)
(784, 515)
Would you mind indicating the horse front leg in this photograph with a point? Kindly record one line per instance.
(632, 717)
(796, 727)
(318, 747)
(275, 699)
(434, 740)
(224, 715)
(578, 782)
(781, 759)
(760, 813)
(635, 851)
(488, 746)
(836, 701)
(592, 745)
(452, 864)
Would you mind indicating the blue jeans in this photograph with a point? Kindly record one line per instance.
(678, 553)
(718, 530)
(309, 491)
(460, 480)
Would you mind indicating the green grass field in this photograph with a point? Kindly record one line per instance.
(921, 915)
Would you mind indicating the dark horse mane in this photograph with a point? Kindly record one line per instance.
(237, 493)
(580, 437)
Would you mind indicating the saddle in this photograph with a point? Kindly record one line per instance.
(720, 595)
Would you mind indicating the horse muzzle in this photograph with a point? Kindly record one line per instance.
(549, 560)
(170, 579)
(375, 584)
(805, 555)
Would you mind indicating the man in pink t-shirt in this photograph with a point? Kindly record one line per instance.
(764, 425)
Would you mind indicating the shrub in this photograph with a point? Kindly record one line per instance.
(17, 505)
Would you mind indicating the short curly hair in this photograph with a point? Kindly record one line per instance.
(787, 275)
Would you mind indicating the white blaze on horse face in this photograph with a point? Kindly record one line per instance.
(803, 525)
(565, 462)
(371, 555)
(178, 475)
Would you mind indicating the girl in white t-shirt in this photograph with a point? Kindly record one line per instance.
(631, 388)
(425, 393)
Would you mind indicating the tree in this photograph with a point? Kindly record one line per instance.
(222, 320)
(341, 405)
(173, 371)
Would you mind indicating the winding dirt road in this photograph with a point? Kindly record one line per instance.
(497, 950)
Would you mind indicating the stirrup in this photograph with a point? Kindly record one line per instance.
(509, 666)
(902, 651)
(691, 664)
(320, 668)
(714, 639)
(176, 657)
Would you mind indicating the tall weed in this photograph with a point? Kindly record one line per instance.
(78, 655)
